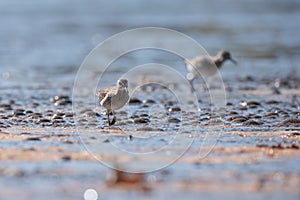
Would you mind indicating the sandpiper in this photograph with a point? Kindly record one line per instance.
(114, 98)
(206, 66)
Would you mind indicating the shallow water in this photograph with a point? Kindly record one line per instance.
(51, 38)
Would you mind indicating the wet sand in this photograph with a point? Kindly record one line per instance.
(258, 152)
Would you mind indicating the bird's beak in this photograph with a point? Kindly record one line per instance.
(233, 61)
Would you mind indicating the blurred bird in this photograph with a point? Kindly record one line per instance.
(206, 66)
(114, 98)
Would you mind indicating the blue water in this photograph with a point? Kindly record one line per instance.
(49, 39)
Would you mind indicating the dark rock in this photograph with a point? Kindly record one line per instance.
(174, 120)
(44, 120)
(141, 121)
(150, 101)
(272, 102)
(174, 109)
(291, 121)
(252, 123)
(135, 101)
(33, 139)
(66, 158)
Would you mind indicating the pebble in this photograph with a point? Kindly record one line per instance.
(122, 112)
(28, 112)
(174, 109)
(66, 158)
(252, 106)
(4, 117)
(271, 115)
(233, 113)
(6, 106)
(55, 116)
(141, 120)
(251, 123)
(253, 103)
(150, 101)
(170, 103)
(291, 121)
(238, 119)
(145, 106)
(272, 102)
(134, 101)
(256, 116)
(68, 115)
(18, 113)
(34, 105)
(174, 120)
(215, 121)
(242, 108)
(61, 100)
(58, 121)
(44, 120)
(33, 139)
(229, 104)
(36, 116)
(293, 134)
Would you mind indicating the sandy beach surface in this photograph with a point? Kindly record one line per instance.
(238, 137)
(45, 154)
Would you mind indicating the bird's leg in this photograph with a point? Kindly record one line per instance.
(114, 119)
(192, 85)
(107, 112)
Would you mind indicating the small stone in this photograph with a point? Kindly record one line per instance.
(291, 121)
(174, 120)
(134, 101)
(66, 158)
(174, 109)
(28, 112)
(150, 101)
(6, 106)
(252, 123)
(233, 113)
(170, 103)
(56, 116)
(141, 121)
(229, 104)
(18, 113)
(272, 102)
(44, 120)
(33, 139)
(239, 119)
(253, 103)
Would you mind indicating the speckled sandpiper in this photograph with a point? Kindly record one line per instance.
(114, 98)
(206, 66)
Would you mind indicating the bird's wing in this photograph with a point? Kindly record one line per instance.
(201, 61)
(102, 93)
